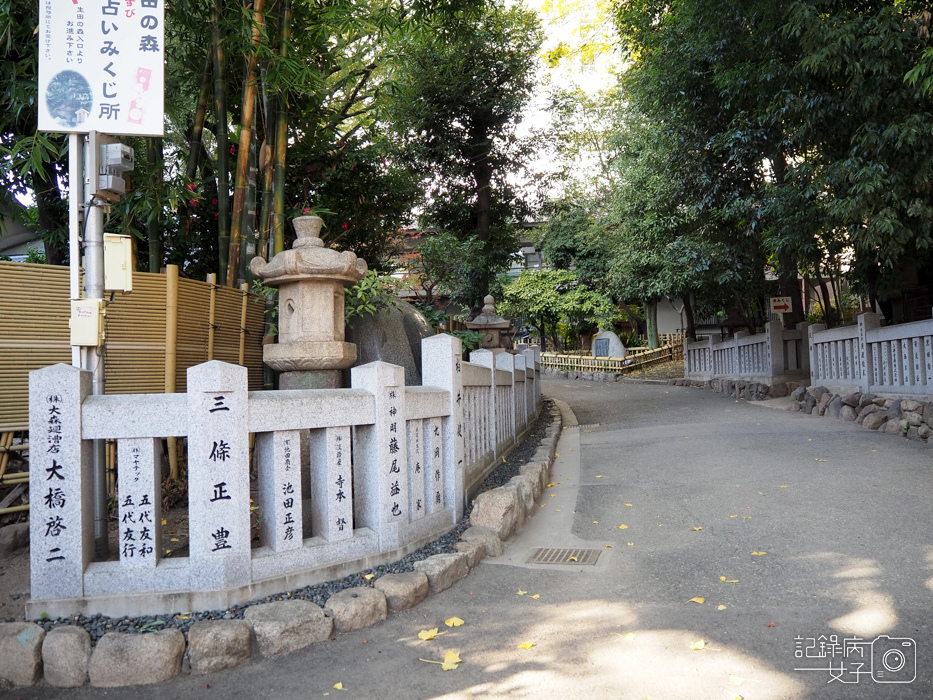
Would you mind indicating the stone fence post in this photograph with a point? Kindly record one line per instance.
(486, 358)
(867, 322)
(816, 363)
(775, 344)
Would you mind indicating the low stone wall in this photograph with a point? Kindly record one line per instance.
(65, 657)
(589, 376)
(909, 418)
(749, 391)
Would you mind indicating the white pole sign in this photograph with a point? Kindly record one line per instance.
(101, 66)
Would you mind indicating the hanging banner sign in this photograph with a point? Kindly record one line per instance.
(101, 66)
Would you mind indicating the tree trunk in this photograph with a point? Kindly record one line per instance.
(787, 263)
(153, 229)
(691, 330)
(281, 136)
(194, 141)
(45, 186)
(223, 169)
(651, 321)
(243, 151)
(639, 323)
(829, 314)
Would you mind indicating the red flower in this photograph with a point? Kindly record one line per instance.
(193, 202)
(192, 187)
(214, 202)
(345, 227)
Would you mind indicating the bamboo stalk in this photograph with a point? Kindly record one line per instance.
(242, 355)
(14, 509)
(154, 162)
(6, 439)
(171, 352)
(223, 169)
(281, 134)
(246, 136)
(211, 315)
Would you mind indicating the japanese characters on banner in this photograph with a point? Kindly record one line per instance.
(101, 66)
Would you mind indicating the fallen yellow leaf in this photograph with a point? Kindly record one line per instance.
(557, 454)
(758, 554)
(173, 539)
(451, 661)
(596, 522)
(572, 559)
(722, 578)
(338, 686)
(630, 635)
(817, 459)
(733, 516)
(164, 521)
(607, 546)
(721, 607)
(453, 622)
(598, 477)
(696, 599)
(553, 483)
(553, 494)
(785, 486)
(425, 635)
(623, 527)
(629, 504)
(536, 596)
(737, 680)
(526, 645)
(631, 544)
(182, 617)
(697, 529)
(369, 576)
(697, 645)
(746, 517)
(521, 592)
(733, 580)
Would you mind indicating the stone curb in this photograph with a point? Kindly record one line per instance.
(618, 377)
(219, 647)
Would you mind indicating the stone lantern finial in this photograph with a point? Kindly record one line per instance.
(311, 351)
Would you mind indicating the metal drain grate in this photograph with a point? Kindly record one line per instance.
(584, 557)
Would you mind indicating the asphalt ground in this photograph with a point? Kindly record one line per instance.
(839, 517)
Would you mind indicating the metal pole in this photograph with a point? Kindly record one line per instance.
(75, 199)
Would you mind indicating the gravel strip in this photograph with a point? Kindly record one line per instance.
(98, 625)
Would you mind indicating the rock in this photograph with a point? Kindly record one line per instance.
(893, 426)
(868, 409)
(913, 433)
(286, 625)
(852, 399)
(866, 399)
(818, 391)
(393, 337)
(924, 431)
(912, 405)
(928, 413)
(13, 538)
(716, 385)
(357, 608)
(496, 509)
(489, 539)
(520, 509)
(525, 483)
(823, 402)
(895, 410)
(835, 407)
(538, 470)
(798, 393)
(875, 420)
(848, 413)
(778, 391)
(66, 653)
(21, 652)
(794, 406)
(216, 645)
(809, 403)
(136, 659)
(403, 591)
(443, 570)
(912, 417)
(728, 386)
(588, 376)
(475, 551)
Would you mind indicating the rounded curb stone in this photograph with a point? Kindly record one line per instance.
(136, 659)
(403, 591)
(489, 539)
(21, 652)
(475, 551)
(66, 653)
(287, 625)
(216, 645)
(443, 570)
(356, 608)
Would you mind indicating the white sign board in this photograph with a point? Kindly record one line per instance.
(780, 305)
(101, 66)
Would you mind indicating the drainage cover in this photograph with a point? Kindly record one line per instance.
(584, 557)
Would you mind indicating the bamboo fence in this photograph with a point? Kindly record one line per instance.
(612, 365)
(206, 322)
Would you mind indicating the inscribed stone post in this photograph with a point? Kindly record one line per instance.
(441, 366)
(774, 331)
(518, 387)
(61, 539)
(416, 469)
(816, 361)
(507, 364)
(218, 476)
(531, 382)
(139, 488)
(331, 484)
(381, 501)
(280, 505)
(486, 358)
(434, 466)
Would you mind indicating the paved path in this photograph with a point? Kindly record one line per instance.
(842, 513)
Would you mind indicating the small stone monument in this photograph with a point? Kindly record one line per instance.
(311, 351)
(494, 328)
(608, 344)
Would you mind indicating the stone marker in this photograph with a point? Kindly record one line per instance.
(216, 645)
(403, 591)
(66, 653)
(608, 344)
(475, 551)
(21, 652)
(279, 465)
(443, 570)
(140, 491)
(356, 608)
(287, 625)
(136, 659)
(331, 484)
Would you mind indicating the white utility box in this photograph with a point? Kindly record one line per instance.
(87, 322)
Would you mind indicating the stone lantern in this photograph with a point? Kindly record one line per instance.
(494, 328)
(311, 352)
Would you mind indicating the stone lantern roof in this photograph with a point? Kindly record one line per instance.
(494, 327)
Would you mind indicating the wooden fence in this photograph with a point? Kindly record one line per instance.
(638, 358)
(34, 313)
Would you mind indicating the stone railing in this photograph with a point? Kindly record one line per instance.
(773, 357)
(347, 478)
(891, 360)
